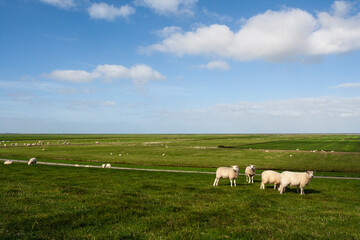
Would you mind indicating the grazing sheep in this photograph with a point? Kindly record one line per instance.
(8, 162)
(250, 173)
(294, 179)
(227, 172)
(108, 165)
(103, 166)
(270, 177)
(32, 161)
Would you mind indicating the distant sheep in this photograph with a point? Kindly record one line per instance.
(227, 172)
(250, 173)
(32, 161)
(8, 162)
(294, 179)
(270, 177)
(103, 166)
(108, 165)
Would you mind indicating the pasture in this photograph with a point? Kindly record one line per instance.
(54, 202)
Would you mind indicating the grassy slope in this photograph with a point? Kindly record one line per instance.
(47, 202)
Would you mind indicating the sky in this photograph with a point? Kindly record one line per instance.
(179, 66)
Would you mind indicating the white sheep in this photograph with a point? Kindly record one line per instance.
(8, 162)
(295, 179)
(250, 173)
(270, 177)
(227, 172)
(103, 166)
(32, 161)
(108, 165)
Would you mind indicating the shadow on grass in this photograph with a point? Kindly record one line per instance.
(306, 191)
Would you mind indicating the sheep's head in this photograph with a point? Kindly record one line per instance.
(252, 167)
(235, 168)
(310, 173)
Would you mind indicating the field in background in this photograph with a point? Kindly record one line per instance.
(334, 153)
(54, 202)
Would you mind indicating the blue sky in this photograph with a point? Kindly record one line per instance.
(179, 66)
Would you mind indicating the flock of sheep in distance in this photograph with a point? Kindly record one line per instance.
(280, 180)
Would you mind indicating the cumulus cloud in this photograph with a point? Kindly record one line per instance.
(60, 3)
(169, 6)
(288, 34)
(140, 74)
(109, 12)
(218, 65)
(348, 85)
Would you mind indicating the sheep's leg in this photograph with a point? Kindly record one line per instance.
(302, 191)
(262, 185)
(215, 182)
(252, 179)
(235, 182)
(274, 186)
(231, 183)
(297, 190)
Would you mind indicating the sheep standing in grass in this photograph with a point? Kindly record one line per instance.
(294, 179)
(250, 173)
(227, 172)
(8, 162)
(32, 161)
(108, 165)
(270, 177)
(103, 166)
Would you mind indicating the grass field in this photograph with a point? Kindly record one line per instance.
(53, 202)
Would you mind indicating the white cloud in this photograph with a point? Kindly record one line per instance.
(219, 65)
(140, 74)
(348, 85)
(108, 103)
(168, 31)
(341, 8)
(60, 3)
(288, 34)
(109, 12)
(169, 6)
(77, 76)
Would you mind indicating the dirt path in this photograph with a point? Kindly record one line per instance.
(151, 170)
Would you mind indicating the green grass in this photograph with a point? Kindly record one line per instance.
(48, 202)
(53, 202)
